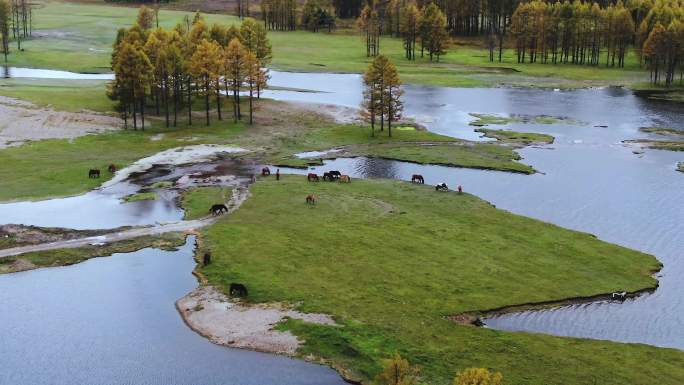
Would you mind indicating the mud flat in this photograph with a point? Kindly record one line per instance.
(23, 121)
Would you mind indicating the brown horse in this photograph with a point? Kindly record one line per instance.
(310, 199)
(417, 178)
(265, 171)
(311, 177)
(94, 173)
(112, 168)
(345, 179)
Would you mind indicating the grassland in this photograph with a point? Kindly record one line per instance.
(515, 137)
(78, 37)
(195, 201)
(389, 260)
(62, 95)
(662, 131)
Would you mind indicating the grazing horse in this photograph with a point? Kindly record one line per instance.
(94, 173)
(238, 290)
(311, 177)
(417, 178)
(335, 174)
(207, 259)
(345, 179)
(218, 209)
(328, 176)
(310, 199)
(441, 187)
(460, 189)
(265, 171)
(112, 168)
(620, 296)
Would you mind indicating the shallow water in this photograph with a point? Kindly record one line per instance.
(113, 320)
(35, 73)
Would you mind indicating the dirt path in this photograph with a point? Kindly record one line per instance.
(22, 121)
(240, 194)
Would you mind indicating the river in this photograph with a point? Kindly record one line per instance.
(588, 181)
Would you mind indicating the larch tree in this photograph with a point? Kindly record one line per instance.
(254, 74)
(398, 371)
(145, 18)
(408, 26)
(434, 36)
(382, 94)
(133, 74)
(234, 72)
(206, 66)
(370, 106)
(478, 376)
(5, 21)
(254, 37)
(370, 23)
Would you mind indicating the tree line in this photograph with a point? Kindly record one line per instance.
(16, 23)
(577, 33)
(165, 71)
(426, 25)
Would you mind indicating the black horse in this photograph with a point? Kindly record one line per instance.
(218, 209)
(441, 187)
(94, 173)
(238, 290)
(335, 174)
(206, 259)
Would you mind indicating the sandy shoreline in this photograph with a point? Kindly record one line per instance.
(230, 323)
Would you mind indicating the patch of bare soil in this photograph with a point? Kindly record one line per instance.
(225, 322)
(17, 266)
(22, 121)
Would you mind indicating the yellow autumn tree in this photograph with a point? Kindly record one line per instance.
(398, 371)
(478, 376)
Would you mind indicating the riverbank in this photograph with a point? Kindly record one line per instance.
(445, 252)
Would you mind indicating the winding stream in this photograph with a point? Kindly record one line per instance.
(589, 181)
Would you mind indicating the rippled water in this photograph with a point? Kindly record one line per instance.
(35, 73)
(113, 320)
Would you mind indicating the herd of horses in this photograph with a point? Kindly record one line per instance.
(95, 172)
(330, 176)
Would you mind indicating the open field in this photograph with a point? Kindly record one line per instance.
(390, 259)
(196, 201)
(78, 37)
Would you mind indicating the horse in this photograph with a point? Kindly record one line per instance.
(278, 174)
(335, 174)
(312, 177)
(112, 168)
(238, 290)
(417, 178)
(460, 189)
(327, 176)
(310, 199)
(265, 171)
(441, 187)
(345, 179)
(620, 296)
(94, 173)
(206, 259)
(218, 209)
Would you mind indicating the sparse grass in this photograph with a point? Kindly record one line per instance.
(197, 201)
(488, 119)
(668, 145)
(141, 196)
(389, 260)
(662, 131)
(63, 95)
(63, 257)
(524, 138)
